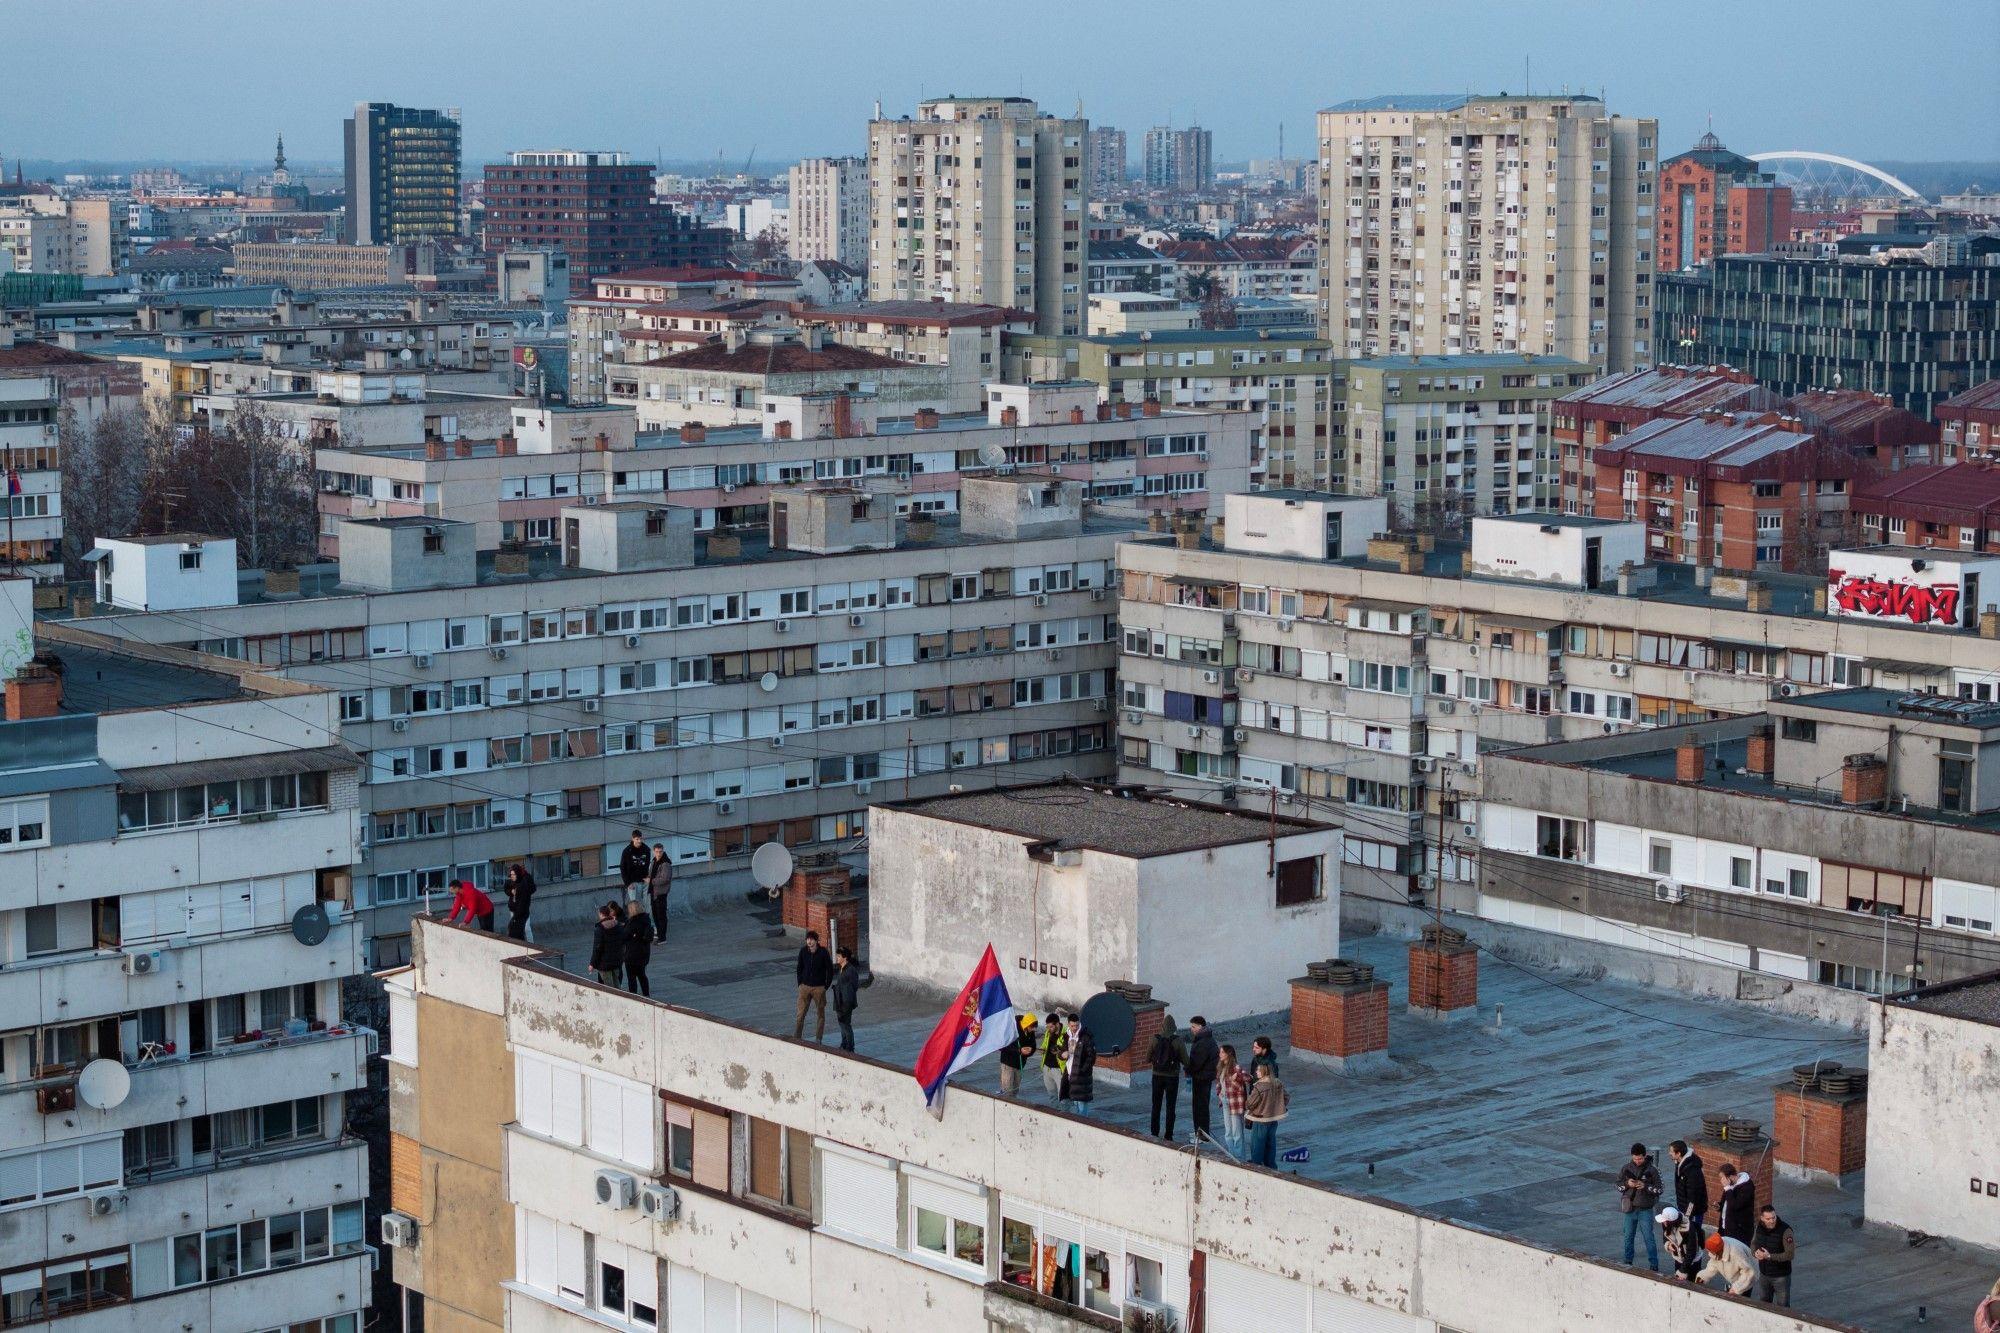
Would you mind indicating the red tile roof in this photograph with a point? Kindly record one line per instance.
(943, 314)
(1967, 494)
(1979, 398)
(1859, 419)
(788, 358)
(691, 274)
(31, 356)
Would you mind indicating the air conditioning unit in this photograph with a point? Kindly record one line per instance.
(1244, 675)
(1041, 599)
(725, 807)
(422, 661)
(783, 627)
(1100, 705)
(56, 1098)
(1133, 718)
(1447, 706)
(1211, 677)
(659, 1203)
(1669, 891)
(499, 652)
(1621, 669)
(103, 1203)
(1472, 710)
(617, 1189)
(1099, 594)
(777, 742)
(1787, 690)
(1284, 624)
(1468, 830)
(1424, 763)
(729, 489)
(1239, 735)
(857, 621)
(144, 962)
(592, 705)
(1688, 676)
(1141, 1315)
(399, 1231)
(1055, 654)
(400, 724)
(1194, 733)
(631, 641)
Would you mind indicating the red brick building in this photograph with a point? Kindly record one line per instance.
(598, 208)
(1715, 202)
(1954, 505)
(1880, 435)
(1595, 415)
(1969, 424)
(1732, 490)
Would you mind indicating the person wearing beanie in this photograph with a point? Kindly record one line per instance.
(1729, 1259)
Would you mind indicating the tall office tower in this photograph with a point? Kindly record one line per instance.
(979, 199)
(596, 207)
(1180, 159)
(402, 173)
(1106, 150)
(1715, 202)
(1453, 223)
(830, 210)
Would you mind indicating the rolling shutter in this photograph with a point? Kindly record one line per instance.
(1334, 1313)
(1244, 1300)
(103, 1162)
(857, 1194)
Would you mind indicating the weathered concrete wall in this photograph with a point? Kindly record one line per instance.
(1934, 1123)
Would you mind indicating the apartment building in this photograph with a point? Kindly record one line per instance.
(729, 382)
(31, 526)
(566, 1165)
(830, 211)
(1291, 381)
(1131, 458)
(1969, 424)
(943, 188)
(1454, 223)
(1715, 202)
(1367, 681)
(716, 693)
(52, 233)
(313, 265)
(1107, 153)
(1249, 267)
(1180, 160)
(1845, 838)
(1736, 490)
(1448, 437)
(175, 1064)
(403, 168)
(1604, 409)
(1950, 504)
(1910, 317)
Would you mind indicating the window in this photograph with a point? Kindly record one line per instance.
(947, 1218)
(1659, 857)
(1298, 881)
(628, 1283)
(1560, 839)
(1798, 729)
(1739, 872)
(24, 823)
(38, 1174)
(64, 1287)
(697, 1143)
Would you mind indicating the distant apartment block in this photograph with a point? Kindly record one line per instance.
(314, 266)
(830, 211)
(1107, 153)
(1182, 160)
(1953, 505)
(1970, 424)
(1425, 247)
(1244, 267)
(31, 525)
(1593, 416)
(596, 207)
(980, 200)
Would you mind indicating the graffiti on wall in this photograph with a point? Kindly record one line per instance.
(1920, 604)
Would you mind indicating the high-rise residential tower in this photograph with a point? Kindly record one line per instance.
(1453, 224)
(1180, 159)
(830, 210)
(979, 199)
(1106, 157)
(402, 173)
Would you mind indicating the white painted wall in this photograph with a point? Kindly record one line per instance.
(1853, 577)
(1521, 549)
(1273, 525)
(1933, 1123)
(147, 576)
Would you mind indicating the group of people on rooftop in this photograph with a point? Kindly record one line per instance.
(621, 943)
(1751, 1248)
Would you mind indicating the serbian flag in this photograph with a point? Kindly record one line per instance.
(979, 1022)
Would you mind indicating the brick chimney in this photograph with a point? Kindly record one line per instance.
(1820, 1123)
(1010, 416)
(1149, 1015)
(1104, 411)
(781, 430)
(1864, 780)
(693, 432)
(843, 416)
(1124, 411)
(1761, 754)
(1690, 757)
(1076, 416)
(35, 691)
(1444, 974)
(508, 446)
(461, 449)
(927, 418)
(1340, 1016)
(433, 450)
(1151, 407)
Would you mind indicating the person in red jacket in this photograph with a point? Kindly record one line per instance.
(475, 904)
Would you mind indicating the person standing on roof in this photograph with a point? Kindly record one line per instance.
(634, 864)
(1690, 1182)
(1267, 1104)
(1055, 1053)
(1638, 1194)
(659, 883)
(1774, 1247)
(814, 973)
(607, 945)
(1232, 1088)
(1738, 1217)
(638, 942)
(1200, 1065)
(846, 993)
(520, 900)
(1166, 1056)
(1079, 1081)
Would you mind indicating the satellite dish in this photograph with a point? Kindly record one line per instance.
(768, 681)
(310, 924)
(992, 455)
(771, 866)
(1108, 1020)
(104, 1084)
(407, 356)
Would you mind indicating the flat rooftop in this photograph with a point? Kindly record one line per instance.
(97, 680)
(1513, 1123)
(1978, 714)
(1976, 999)
(1540, 520)
(1087, 817)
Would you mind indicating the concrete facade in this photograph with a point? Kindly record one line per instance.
(961, 163)
(830, 211)
(1422, 250)
(31, 526)
(1934, 1111)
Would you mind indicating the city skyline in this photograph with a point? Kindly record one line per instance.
(1926, 110)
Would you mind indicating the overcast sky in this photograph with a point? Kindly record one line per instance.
(190, 80)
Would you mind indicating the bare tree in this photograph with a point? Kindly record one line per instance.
(104, 466)
(244, 480)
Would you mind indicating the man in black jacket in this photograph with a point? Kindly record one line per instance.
(1774, 1248)
(1690, 1182)
(1079, 1076)
(815, 974)
(1737, 1209)
(1165, 1058)
(634, 864)
(1638, 1195)
(846, 994)
(1202, 1055)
